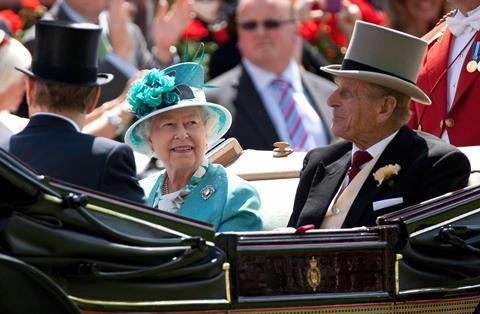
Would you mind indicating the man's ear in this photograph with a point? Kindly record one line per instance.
(30, 90)
(91, 106)
(386, 108)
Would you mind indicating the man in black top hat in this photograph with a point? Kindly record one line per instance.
(63, 86)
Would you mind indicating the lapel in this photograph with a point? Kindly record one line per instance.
(394, 153)
(323, 189)
(436, 69)
(251, 104)
(466, 78)
(319, 103)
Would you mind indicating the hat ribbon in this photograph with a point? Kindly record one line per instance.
(351, 65)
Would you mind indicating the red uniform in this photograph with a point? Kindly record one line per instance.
(462, 121)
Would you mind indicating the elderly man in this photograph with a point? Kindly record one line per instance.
(450, 76)
(269, 96)
(61, 90)
(383, 165)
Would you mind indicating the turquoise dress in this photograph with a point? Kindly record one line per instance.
(223, 200)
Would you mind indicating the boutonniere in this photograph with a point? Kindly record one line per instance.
(386, 174)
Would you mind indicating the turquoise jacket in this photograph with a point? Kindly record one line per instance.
(234, 206)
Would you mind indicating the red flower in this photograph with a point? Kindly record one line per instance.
(221, 36)
(30, 4)
(14, 22)
(195, 31)
(309, 30)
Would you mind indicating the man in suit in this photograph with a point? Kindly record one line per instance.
(267, 38)
(450, 76)
(61, 90)
(382, 165)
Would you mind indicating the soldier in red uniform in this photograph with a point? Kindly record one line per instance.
(450, 75)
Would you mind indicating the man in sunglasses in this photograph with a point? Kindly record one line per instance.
(269, 95)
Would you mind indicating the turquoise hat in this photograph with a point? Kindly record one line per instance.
(159, 91)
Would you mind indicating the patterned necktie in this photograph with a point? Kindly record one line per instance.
(359, 158)
(296, 130)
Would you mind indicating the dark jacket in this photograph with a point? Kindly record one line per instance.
(53, 147)
(429, 168)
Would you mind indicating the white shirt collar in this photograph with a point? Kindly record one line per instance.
(262, 78)
(73, 123)
(377, 148)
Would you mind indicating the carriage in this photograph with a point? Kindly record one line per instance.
(69, 249)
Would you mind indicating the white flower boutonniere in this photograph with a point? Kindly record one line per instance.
(385, 174)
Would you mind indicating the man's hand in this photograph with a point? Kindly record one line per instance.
(169, 25)
(346, 18)
(118, 19)
(304, 11)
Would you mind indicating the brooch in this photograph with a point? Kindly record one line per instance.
(385, 174)
(207, 191)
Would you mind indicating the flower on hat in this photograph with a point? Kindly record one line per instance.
(154, 91)
(386, 173)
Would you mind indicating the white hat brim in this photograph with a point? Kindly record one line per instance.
(222, 115)
(381, 79)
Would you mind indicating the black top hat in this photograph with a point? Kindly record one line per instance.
(67, 53)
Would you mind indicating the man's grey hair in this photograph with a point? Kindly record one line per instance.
(401, 112)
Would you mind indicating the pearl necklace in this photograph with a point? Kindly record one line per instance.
(165, 184)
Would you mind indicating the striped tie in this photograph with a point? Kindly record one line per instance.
(296, 130)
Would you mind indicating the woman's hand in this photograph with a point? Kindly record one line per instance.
(304, 11)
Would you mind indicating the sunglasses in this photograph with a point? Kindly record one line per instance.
(269, 24)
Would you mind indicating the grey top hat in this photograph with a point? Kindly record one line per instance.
(385, 57)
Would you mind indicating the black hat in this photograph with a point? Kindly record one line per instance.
(67, 53)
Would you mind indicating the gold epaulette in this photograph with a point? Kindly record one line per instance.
(443, 18)
(438, 30)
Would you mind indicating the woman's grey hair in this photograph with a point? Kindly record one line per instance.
(13, 54)
(208, 118)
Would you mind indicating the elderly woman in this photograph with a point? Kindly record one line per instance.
(176, 125)
(12, 85)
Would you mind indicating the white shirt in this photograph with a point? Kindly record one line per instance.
(73, 123)
(458, 47)
(376, 149)
(262, 80)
